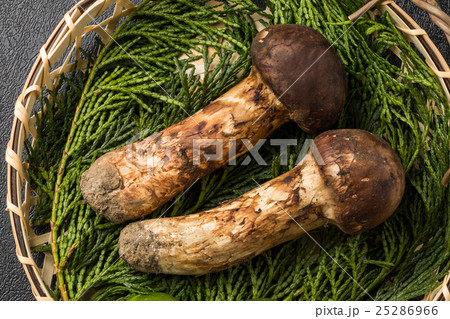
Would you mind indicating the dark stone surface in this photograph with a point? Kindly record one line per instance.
(422, 19)
(24, 27)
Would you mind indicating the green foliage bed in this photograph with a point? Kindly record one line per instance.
(402, 259)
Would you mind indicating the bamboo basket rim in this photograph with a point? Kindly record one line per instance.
(67, 38)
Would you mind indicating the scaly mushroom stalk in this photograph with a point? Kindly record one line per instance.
(296, 75)
(358, 186)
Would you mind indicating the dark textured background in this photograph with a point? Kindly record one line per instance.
(24, 28)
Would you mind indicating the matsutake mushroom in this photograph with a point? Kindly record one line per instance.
(351, 178)
(296, 75)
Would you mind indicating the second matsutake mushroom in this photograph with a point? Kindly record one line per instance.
(352, 179)
(296, 75)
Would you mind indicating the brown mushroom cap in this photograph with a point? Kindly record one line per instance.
(304, 72)
(365, 175)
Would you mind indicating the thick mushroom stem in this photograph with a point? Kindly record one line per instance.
(296, 76)
(228, 235)
(358, 185)
(136, 179)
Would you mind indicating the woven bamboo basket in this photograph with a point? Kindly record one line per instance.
(88, 16)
